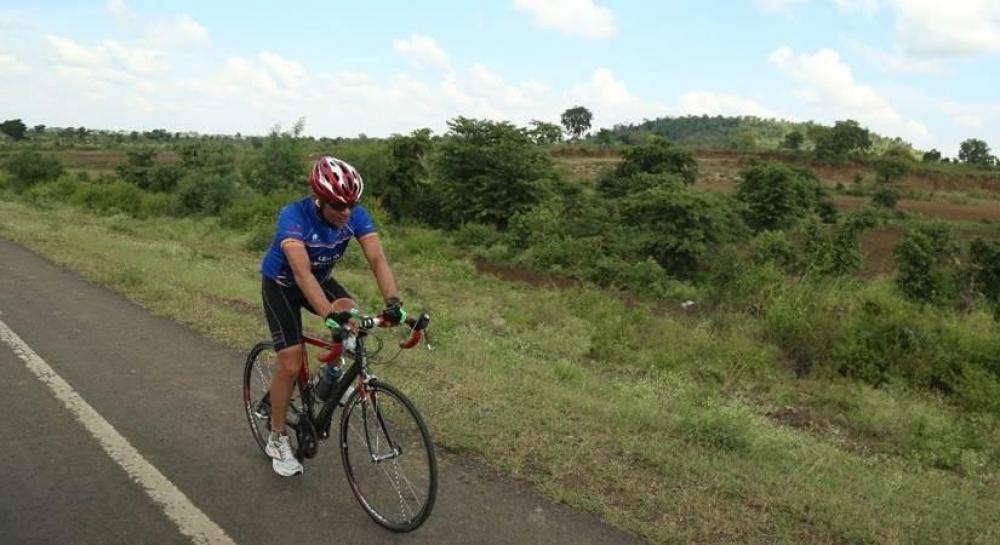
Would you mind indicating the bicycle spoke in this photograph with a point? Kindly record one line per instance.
(389, 459)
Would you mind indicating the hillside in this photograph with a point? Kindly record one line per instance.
(721, 132)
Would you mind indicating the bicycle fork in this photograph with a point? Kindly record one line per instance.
(394, 450)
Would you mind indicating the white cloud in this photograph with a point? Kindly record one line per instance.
(714, 103)
(176, 31)
(108, 56)
(577, 17)
(10, 65)
(830, 89)
(421, 51)
(935, 29)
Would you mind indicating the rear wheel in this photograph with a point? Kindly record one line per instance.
(388, 457)
(260, 367)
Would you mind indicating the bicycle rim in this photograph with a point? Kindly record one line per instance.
(388, 457)
(257, 374)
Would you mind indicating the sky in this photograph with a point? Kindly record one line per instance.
(924, 70)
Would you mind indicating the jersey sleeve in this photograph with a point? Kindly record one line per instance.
(361, 222)
(290, 224)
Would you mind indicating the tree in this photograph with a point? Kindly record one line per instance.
(577, 121)
(545, 133)
(678, 227)
(488, 171)
(38, 129)
(30, 167)
(974, 152)
(793, 140)
(658, 156)
(777, 196)
(931, 156)
(892, 165)
(404, 192)
(844, 139)
(14, 128)
(745, 141)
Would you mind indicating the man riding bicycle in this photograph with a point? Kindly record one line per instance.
(312, 235)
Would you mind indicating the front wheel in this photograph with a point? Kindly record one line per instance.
(388, 457)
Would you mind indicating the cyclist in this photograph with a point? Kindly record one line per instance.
(312, 235)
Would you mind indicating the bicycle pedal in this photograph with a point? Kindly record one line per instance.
(262, 410)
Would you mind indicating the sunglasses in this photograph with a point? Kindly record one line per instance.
(338, 206)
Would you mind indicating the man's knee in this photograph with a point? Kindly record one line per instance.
(342, 304)
(290, 360)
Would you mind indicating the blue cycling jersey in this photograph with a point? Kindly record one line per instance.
(325, 244)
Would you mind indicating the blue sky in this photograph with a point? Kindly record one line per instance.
(924, 70)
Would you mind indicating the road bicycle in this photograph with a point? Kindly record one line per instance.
(385, 447)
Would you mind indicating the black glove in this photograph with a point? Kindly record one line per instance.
(394, 310)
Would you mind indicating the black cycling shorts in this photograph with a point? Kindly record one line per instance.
(283, 307)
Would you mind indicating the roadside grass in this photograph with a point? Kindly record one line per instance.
(674, 427)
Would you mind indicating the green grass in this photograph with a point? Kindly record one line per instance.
(669, 426)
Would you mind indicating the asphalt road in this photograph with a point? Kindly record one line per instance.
(164, 454)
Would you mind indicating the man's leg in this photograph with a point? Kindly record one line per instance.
(282, 383)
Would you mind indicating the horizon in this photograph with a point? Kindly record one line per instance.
(907, 69)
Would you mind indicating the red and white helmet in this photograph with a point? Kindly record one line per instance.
(335, 181)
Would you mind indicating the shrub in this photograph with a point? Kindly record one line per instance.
(657, 156)
(885, 197)
(205, 193)
(154, 205)
(985, 271)
(111, 198)
(677, 227)
(61, 190)
(477, 234)
(774, 247)
(835, 250)
(926, 259)
(777, 197)
(256, 210)
(488, 171)
(279, 162)
(614, 186)
(29, 167)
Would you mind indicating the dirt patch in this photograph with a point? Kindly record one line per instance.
(932, 209)
(106, 160)
(517, 274)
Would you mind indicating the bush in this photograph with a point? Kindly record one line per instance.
(111, 198)
(205, 193)
(677, 227)
(488, 171)
(985, 271)
(657, 156)
(256, 210)
(927, 259)
(778, 197)
(885, 197)
(157, 204)
(835, 250)
(29, 167)
(476, 234)
(774, 247)
(61, 190)
(279, 163)
(615, 186)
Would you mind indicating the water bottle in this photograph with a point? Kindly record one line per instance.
(328, 376)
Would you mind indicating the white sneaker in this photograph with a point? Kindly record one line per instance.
(283, 459)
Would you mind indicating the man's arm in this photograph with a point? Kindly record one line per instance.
(372, 248)
(298, 259)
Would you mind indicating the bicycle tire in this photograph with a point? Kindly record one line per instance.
(386, 408)
(257, 374)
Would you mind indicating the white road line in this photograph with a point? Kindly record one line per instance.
(178, 508)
